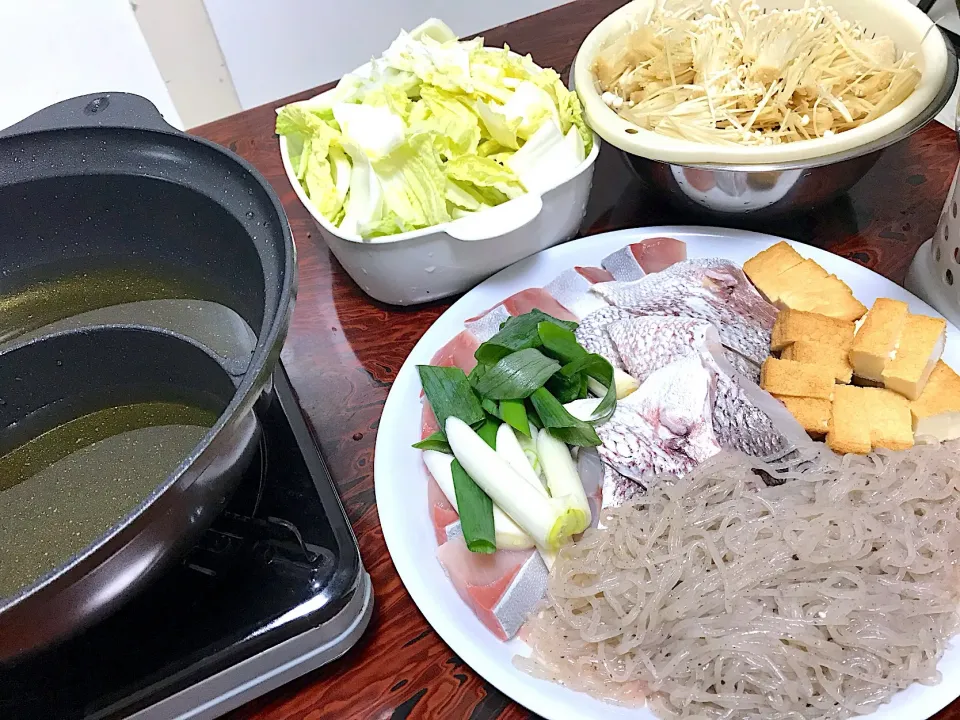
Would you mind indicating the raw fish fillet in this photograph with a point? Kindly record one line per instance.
(713, 290)
(618, 489)
(745, 417)
(501, 589)
(595, 274)
(647, 256)
(665, 426)
(572, 290)
(487, 324)
(458, 352)
(592, 333)
(446, 521)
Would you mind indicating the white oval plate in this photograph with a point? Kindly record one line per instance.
(401, 483)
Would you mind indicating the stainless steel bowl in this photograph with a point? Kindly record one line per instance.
(762, 191)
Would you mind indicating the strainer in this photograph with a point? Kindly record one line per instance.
(934, 274)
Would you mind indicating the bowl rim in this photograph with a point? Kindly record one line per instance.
(940, 61)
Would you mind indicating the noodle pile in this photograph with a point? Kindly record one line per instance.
(721, 598)
(713, 71)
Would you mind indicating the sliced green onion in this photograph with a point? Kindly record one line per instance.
(491, 408)
(600, 369)
(566, 388)
(517, 375)
(450, 394)
(476, 512)
(437, 441)
(517, 333)
(559, 342)
(561, 423)
(514, 414)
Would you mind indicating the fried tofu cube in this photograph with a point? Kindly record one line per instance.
(813, 414)
(891, 426)
(849, 428)
(823, 294)
(765, 267)
(920, 347)
(794, 379)
(936, 413)
(875, 343)
(794, 325)
(819, 353)
(864, 419)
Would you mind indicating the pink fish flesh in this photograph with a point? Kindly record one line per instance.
(446, 521)
(708, 289)
(487, 324)
(665, 426)
(595, 274)
(501, 589)
(745, 417)
(642, 258)
(458, 352)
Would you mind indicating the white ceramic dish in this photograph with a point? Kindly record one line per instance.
(401, 483)
(910, 29)
(439, 261)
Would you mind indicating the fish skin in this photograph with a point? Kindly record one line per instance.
(653, 341)
(745, 418)
(710, 289)
(572, 290)
(623, 265)
(665, 426)
(592, 333)
(618, 490)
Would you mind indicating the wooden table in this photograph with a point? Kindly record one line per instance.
(344, 350)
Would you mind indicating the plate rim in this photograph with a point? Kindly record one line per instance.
(544, 697)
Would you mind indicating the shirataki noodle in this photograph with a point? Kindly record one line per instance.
(717, 597)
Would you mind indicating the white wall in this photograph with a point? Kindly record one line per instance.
(183, 43)
(277, 47)
(52, 50)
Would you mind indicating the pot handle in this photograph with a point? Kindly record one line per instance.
(497, 221)
(107, 110)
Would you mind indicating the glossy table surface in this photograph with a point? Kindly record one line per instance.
(344, 350)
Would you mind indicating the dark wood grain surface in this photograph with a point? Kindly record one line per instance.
(344, 350)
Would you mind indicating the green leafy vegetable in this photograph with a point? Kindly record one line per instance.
(517, 375)
(518, 333)
(560, 342)
(450, 394)
(561, 423)
(437, 441)
(496, 125)
(476, 512)
(566, 388)
(514, 414)
(491, 407)
(600, 369)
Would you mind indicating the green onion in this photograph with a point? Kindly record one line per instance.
(488, 431)
(437, 441)
(600, 369)
(491, 407)
(450, 394)
(566, 388)
(476, 512)
(517, 333)
(517, 375)
(559, 342)
(561, 423)
(514, 414)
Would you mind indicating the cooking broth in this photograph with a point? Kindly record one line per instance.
(67, 299)
(65, 487)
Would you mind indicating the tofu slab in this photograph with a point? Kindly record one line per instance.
(812, 413)
(793, 379)
(877, 339)
(920, 347)
(765, 268)
(936, 413)
(818, 353)
(794, 325)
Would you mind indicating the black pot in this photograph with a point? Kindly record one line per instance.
(102, 182)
